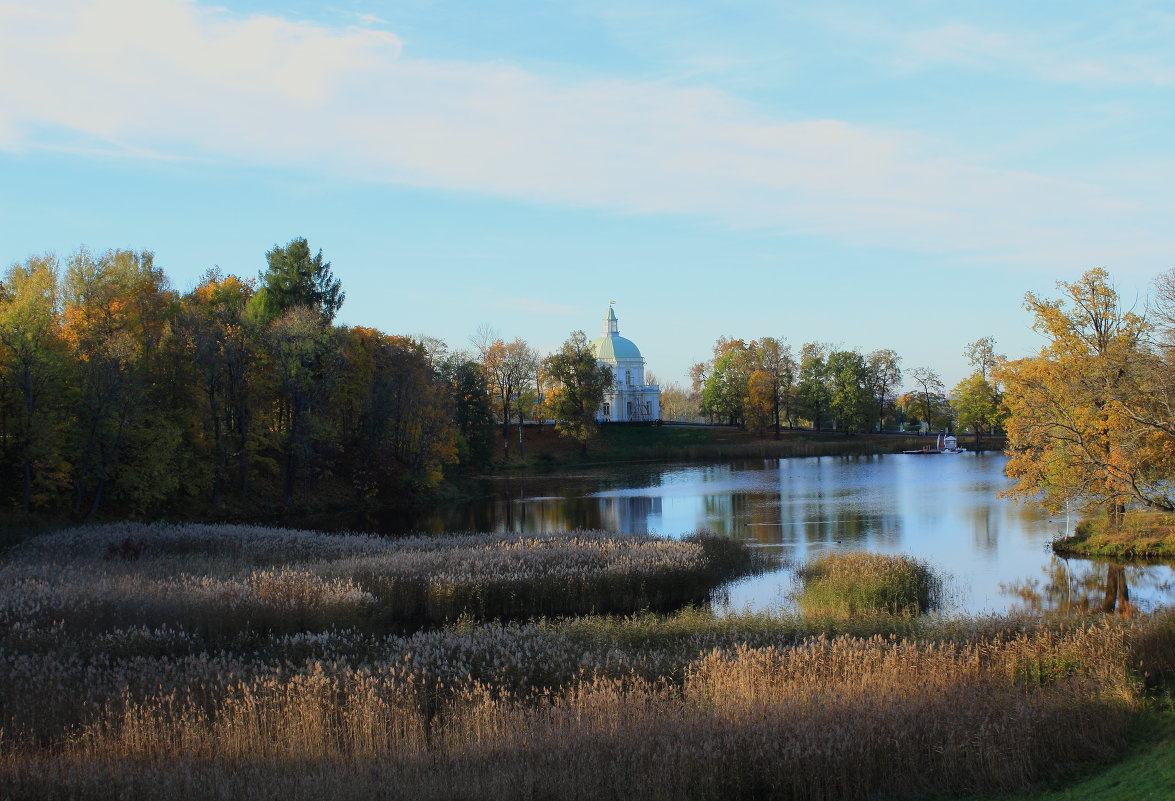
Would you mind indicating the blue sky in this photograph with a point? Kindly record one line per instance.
(872, 176)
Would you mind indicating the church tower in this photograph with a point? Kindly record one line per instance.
(611, 324)
(629, 399)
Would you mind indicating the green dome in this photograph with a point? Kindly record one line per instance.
(615, 347)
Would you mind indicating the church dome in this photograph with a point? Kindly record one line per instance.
(615, 347)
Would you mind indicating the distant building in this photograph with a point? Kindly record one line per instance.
(629, 398)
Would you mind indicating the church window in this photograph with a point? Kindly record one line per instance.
(607, 409)
(628, 376)
(630, 410)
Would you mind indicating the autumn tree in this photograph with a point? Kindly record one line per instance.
(117, 310)
(724, 392)
(30, 348)
(220, 340)
(981, 355)
(912, 406)
(394, 416)
(677, 403)
(577, 386)
(698, 373)
(883, 375)
(760, 399)
(849, 397)
(472, 408)
(1085, 419)
(509, 368)
(930, 384)
(976, 404)
(813, 390)
(118, 392)
(773, 357)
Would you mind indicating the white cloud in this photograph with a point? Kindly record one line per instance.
(171, 78)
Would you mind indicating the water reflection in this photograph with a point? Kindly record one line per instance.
(941, 509)
(1078, 585)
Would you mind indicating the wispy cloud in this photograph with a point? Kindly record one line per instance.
(180, 79)
(1050, 58)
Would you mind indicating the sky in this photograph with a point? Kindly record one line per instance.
(869, 175)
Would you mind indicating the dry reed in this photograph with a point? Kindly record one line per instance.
(224, 580)
(94, 703)
(842, 717)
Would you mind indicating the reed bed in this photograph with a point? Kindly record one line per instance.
(864, 583)
(114, 685)
(225, 580)
(469, 713)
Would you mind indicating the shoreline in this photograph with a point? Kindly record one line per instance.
(1142, 537)
(546, 453)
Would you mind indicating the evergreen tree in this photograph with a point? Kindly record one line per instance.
(295, 278)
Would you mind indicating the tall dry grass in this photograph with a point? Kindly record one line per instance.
(216, 662)
(842, 717)
(224, 580)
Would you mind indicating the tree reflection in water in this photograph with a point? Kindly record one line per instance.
(1079, 585)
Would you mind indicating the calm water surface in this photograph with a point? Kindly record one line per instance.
(942, 509)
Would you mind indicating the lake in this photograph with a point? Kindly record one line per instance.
(943, 509)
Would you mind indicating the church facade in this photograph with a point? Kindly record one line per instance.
(629, 399)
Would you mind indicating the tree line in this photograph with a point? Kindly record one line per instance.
(120, 393)
(765, 386)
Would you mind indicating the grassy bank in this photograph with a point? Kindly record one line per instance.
(1146, 773)
(1142, 535)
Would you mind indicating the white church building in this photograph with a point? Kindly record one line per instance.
(629, 398)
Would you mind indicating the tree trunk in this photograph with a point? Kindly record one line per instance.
(26, 500)
(217, 449)
(1115, 511)
(505, 429)
(27, 456)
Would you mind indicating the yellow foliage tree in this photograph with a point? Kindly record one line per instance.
(1076, 436)
(760, 401)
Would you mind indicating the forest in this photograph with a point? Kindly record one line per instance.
(119, 393)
